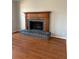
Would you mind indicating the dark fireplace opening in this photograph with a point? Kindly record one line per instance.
(36, 25)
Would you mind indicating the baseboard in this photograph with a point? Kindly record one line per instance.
(15, 32)
(60, 37)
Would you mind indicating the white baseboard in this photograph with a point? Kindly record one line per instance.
(57, 36)
(60, 37)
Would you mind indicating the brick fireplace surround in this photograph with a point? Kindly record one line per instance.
(38, 16)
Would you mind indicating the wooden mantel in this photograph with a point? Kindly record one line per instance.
(45, 15)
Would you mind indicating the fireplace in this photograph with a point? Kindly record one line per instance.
(36, 25)
(37, 21)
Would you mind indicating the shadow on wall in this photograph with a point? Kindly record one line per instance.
(52, 23)
(15, 16)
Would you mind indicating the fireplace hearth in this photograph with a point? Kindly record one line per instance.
(36, 33)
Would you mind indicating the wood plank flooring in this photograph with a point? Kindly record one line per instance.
(27, 47)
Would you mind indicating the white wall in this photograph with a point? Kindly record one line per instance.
(58, 21)
(15, 16)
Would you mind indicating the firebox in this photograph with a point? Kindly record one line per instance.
(36, 25)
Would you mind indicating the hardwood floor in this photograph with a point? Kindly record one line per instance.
(27, 47)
